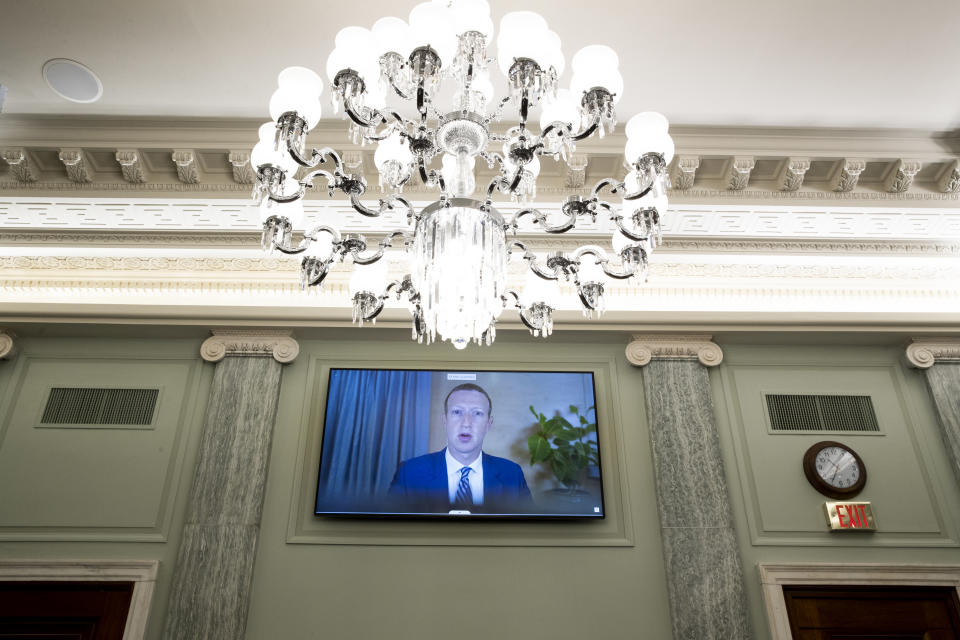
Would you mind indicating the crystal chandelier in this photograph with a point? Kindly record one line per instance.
(435, 70)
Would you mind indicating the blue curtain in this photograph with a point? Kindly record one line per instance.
(374, 421)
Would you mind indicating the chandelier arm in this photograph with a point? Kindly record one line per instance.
(544, 272)
(292, 251)
(317, 156)
(369, 258)
(523, 319)
(505, 298)
(590, 128)
(282, 199)
(362, 209)
(618, 220)
(591, 250)
(393, 85)
(332, 179)
(495, 184)
(613, 272)
(614, 185)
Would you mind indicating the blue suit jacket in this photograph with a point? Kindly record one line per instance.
(420, 485)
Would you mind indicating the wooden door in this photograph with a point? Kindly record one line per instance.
(64, 610)
(873, 613)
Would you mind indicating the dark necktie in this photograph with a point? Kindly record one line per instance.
(464, 497)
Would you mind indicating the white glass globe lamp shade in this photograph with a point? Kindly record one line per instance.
(366, 64)
(304, 102)
(518, 24)
(607, 77)
(594, 57)
(369, 277)
(660, 143)
(292, 211)
(431, 24)
(469, 15)
(392, 148)
(646, 124)
(621, 242)
(589, 270)
(564, 108)
(264, 153)
(300, 79)
(267, 133)
(391, 34)
(354, 40)
(536, 289)
(321, 248)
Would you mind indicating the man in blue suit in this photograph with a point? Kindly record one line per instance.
(460, 477)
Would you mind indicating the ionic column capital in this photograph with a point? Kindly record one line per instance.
(923, 353)
(646, 347)
(278, 343)
(8, 347)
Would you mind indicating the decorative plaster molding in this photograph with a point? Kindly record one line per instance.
(738, 175)
(575, 176)
(130, 165)
(774, 577)
(8, 347)
(949, 181)
(243, 173)
(142, 573)
(923, 353)
(250, 342)
(900, 178)
(646, 347)
(849, 174)
(76, 164)
(791, 176)
(20, 165)
(684, 172)
(186, 163)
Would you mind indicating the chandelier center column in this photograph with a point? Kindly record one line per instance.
(939, 358)
(702, 559)
(212, 580)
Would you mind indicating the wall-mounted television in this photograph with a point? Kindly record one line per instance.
(460, 444)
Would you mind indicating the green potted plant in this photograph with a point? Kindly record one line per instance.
(565, 447)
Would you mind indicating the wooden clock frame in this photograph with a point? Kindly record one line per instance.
(810, 470)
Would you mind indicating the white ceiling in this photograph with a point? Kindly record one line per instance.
(842, 63)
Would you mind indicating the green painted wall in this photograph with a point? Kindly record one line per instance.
(333, 578)
(779, 516)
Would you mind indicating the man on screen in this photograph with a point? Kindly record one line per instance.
(461, 477)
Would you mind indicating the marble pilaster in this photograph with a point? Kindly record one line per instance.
(214, 573)
(704, 572)
(939, 358)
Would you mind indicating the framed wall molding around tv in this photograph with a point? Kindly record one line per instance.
(395, 505)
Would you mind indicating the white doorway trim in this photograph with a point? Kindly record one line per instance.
(774, 576)
(142, 573)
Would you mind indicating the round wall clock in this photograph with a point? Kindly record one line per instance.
(834, 469)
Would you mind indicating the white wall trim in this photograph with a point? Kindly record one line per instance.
(143, 574)
(774, 576)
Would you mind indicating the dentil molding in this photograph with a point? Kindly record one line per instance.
(923, 353)
(7, 345)
(646, 347)
(250, 342)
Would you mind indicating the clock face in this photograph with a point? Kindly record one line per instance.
(837, 467)
(834, 469)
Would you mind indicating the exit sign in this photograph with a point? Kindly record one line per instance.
(849, 516)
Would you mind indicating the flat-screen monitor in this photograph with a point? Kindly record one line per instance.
(460, 444)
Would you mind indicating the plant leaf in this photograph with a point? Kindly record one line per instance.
(539, 448)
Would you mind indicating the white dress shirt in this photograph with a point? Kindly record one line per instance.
(475, 477)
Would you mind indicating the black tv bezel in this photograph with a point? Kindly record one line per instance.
(439, 517)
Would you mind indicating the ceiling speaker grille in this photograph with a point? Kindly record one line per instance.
(100, 406)
(821, 413)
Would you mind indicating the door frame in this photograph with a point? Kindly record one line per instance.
(773, 577)
(142, 573)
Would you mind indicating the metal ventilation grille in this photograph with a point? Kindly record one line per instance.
(100, 406)
(821, 413)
